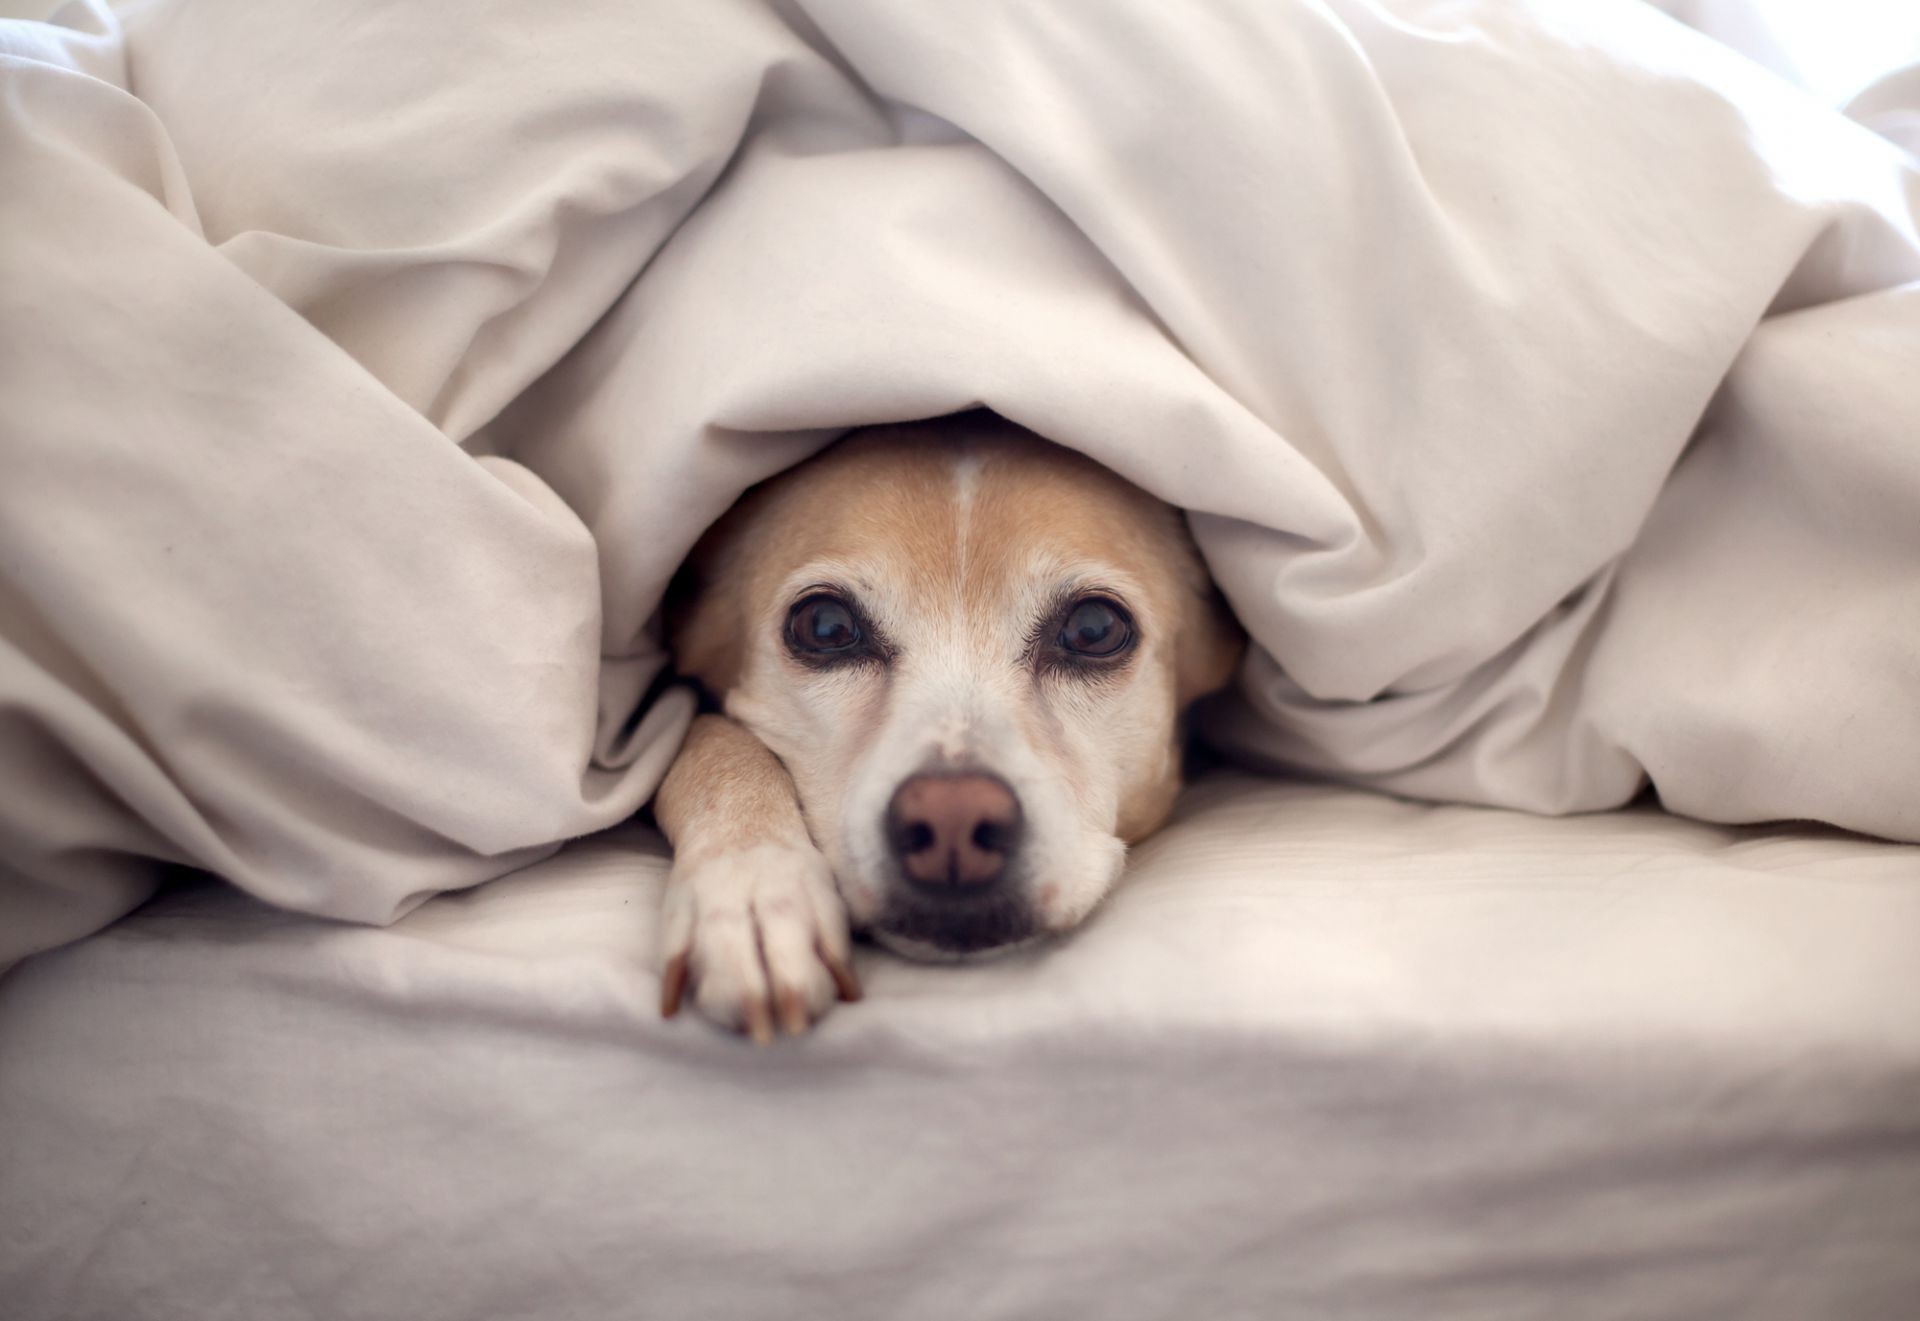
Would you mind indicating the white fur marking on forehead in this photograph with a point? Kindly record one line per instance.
(966, 479)
(966, 476)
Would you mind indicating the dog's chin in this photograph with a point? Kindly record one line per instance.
(921, 951)
(936, 931)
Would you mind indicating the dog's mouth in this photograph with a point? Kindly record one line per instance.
(948, 929)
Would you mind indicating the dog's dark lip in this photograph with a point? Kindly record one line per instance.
(923, 952)
(961, 926)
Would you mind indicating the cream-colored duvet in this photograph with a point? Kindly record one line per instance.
(1541, 377)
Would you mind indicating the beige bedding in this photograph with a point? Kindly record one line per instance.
(1324, 1054)
(1540, 378)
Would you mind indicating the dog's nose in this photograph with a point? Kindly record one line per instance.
(953, 832)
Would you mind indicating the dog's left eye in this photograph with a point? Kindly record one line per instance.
(1096, 628)
(823, 626)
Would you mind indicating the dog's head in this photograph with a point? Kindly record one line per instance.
(971, 649)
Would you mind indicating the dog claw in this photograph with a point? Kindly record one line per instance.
(844, 980)
(793, 1011)
(745, 938)
(673, 985)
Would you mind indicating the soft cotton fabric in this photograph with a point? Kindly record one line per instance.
(1540, 378)
(1325, 1053)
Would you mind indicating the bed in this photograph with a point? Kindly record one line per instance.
(1538, 380)
(1325, 1053)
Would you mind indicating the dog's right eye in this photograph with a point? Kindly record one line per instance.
(823, 626)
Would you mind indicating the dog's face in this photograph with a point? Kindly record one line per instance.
(970, 649)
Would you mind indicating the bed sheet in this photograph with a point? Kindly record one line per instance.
(1325, 1053)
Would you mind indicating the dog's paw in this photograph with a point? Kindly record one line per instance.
(760, 934)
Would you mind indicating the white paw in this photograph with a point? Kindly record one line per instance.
(761, 936)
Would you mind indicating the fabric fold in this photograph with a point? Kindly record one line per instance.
(1537, 377)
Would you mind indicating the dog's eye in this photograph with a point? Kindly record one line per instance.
(822, 625)
(1096, 628)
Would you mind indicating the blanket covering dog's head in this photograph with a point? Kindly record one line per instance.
(971, 650)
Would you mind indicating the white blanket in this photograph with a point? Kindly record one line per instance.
(1541, 378)
(1324, 1054)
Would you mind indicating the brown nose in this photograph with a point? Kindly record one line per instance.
(953, 832)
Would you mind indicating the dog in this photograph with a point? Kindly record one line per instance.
(950, 662)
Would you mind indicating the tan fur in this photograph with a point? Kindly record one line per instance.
(950, 526)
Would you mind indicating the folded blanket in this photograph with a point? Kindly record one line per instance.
(1540, 379)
